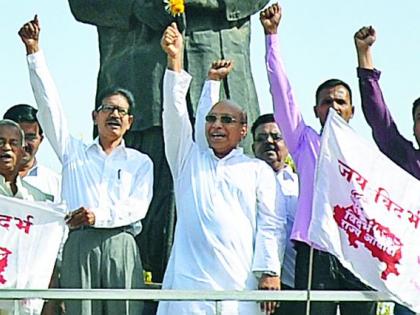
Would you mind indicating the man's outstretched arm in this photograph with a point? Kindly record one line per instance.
(218, 72)
(377, 114)
(50, 113)
(286, 112)
(177, 129)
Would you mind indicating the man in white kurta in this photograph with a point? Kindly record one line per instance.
(270, 147)
(11, 185)
(227, 227)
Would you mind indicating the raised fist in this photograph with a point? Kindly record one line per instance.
(172, 41)
(220, 69)
(29, 33)
(270, 18)
(365, 37)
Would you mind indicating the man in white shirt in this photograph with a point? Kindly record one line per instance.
(270, 147)
(39, 176)
(31, 171)
(227, 223)
(12, 151)
(109, 185)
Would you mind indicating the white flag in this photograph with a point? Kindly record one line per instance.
(366, 213)
(30, 237)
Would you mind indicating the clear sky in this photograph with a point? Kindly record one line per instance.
(316, 39)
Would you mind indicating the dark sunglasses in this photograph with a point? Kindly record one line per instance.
(224, 119)
(262, 137)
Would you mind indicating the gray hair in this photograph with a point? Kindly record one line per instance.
(11, 123)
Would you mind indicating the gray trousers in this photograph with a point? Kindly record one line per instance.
(101, 258)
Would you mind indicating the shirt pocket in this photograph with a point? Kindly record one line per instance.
(124, 184)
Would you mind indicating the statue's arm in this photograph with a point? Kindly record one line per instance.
(239, 9)
(152, 13)
(106, 13)
(235, 9)
(205, 4)
(121, 14)
(245, 7)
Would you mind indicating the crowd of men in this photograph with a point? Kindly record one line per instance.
(242, 222)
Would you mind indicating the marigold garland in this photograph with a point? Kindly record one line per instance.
(175, 7)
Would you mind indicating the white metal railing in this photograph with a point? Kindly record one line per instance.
(189, 295)
(186, 295)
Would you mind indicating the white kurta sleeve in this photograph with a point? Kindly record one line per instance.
(50, 114)
(270, 241)
(209, 97)
(177, 129)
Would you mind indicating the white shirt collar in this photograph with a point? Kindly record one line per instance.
(34, 170)
(287, 173)
(19, 186)
(96, 145)
(233, 153)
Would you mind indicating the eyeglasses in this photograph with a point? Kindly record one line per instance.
(224, 119)
(111, 108)
(262, 137)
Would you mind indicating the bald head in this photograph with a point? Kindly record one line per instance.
(234, 107)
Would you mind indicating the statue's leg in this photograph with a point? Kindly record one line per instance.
(155, 240)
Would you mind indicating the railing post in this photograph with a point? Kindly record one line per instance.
(218, 308)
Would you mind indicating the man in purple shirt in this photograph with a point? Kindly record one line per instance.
(384, 130)
(304, 144)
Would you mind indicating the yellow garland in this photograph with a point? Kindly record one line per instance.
(175, 7)
(289, 161)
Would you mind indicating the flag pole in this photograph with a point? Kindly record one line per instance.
(308, 290)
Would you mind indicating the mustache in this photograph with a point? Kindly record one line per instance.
(28, 149)
(113, 120)
(6, 155)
